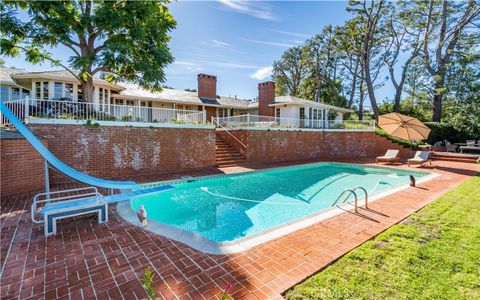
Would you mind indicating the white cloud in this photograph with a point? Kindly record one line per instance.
(184, 63)
(268, 43)
(219, 44)
(262, 73)
(234, 65)
(297, 34)
(252, 8)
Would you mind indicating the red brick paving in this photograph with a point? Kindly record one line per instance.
(91, 261)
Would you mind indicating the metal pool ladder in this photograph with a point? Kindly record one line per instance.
(349, 192)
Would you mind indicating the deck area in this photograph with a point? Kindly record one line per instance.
(91, 261)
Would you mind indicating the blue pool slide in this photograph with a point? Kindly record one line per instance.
(63, 168)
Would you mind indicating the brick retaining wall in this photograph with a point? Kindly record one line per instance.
(21, 167)
(272, 145)
(118, 151)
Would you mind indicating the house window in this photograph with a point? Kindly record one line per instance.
(277, 112)
(302, 113)
(38, 90)
(118, 101)
(130, 103)
(100, 97)
(4, 93)
(69, 91)
(15, 93)
(57, 91)
(45, 91)
(222, 112)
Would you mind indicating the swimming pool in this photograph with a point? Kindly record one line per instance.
(219, 210)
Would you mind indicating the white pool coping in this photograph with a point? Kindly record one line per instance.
(206, 245)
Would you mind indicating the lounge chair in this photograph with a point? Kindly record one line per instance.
(390, 156)
(470, 143)
(420, 158)
(449, 147)
(67, 203)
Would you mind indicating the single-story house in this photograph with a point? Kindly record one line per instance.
(111, 97)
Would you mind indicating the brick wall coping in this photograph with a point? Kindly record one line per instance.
(13, 135)
(295, 129)
(116, 123)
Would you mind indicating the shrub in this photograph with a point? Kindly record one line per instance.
(444, 131)
(413, 144)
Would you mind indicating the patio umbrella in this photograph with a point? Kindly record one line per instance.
(403, 127)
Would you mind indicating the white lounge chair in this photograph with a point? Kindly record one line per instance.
(67, 203)
(420, 158)
(390, 156)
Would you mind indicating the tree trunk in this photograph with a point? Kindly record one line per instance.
(354, 85)
(398, 96)
(370, 89)
(360, 102)
(88, 90)
(437, 103)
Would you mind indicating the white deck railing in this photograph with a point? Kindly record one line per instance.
(256, 121)
(27, 109)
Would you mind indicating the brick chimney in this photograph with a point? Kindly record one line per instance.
(266, 95)
(207, 86)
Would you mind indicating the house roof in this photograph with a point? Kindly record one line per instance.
(282, 100)
(12, 76)
(133, 91)
(6, 75)
(62, 75)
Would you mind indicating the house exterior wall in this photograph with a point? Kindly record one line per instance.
(22, 168)
(117, 151)
(267, 146)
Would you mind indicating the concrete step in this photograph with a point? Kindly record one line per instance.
(229, 156)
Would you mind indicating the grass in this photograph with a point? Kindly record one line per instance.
(433, 254)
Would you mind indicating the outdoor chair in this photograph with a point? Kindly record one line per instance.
(389, 157)
(420, 158)
(450, 147)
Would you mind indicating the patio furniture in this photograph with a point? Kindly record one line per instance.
(469, 148)
(470, 142)
(450, 147)
(67, 203)
(420, 158)
(390, 156)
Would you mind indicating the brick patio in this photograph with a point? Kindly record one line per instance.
(87, 260)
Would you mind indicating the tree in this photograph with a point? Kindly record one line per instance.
(401, 38)
(366, 29)
(443, 25)
(127, 40)
(290, 70)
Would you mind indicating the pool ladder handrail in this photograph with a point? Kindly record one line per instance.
(352, 191)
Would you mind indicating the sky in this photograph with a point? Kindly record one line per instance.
(236, 41)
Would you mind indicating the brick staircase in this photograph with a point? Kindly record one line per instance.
(226, 155)
(459, 157)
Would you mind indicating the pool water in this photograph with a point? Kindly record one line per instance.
(227, 207)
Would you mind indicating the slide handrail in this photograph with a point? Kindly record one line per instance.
(59, 165)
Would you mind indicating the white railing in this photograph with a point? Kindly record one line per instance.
(54, 109)
(256, 121)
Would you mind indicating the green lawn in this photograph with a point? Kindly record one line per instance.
(434, 254)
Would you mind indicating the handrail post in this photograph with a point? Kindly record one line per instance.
(356, 202)
(26, 110)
